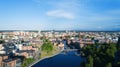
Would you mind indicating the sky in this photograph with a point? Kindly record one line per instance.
(60, 15)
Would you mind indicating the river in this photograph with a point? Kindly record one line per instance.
(64, 59)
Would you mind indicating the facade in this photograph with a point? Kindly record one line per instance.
(26, 53)
(12, 62)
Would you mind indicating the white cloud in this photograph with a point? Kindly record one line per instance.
(81, 12)
(60, 14)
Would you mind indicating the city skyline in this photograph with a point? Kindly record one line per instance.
(92, 15)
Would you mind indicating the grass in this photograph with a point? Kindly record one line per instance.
(54, 51)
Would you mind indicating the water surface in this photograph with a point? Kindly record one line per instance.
(64, 59)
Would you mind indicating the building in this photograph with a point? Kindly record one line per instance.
(16, 62)
(2, 57)
(26, 53)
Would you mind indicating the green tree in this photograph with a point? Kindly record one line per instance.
(109, 65)
(90, 60)
(87, 65)
(2, 41)
(22, 41)
(97, 62)
(26, 62)
(82, 64)
(1, 37)
(47, 46)
(100, 55)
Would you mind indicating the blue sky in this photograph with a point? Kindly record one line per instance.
(60, 14)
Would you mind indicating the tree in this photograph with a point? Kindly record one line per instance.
(118, 43)
(1, 37)
(90, 60)
(109, 65)
(47, 46)
(22, 41)
(82, 64)
(27, 61)
(2, 41)
(100, 55)
(87, 65)
(97, 62)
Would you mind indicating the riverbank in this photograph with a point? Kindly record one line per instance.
(45, 55)
(54, 51)
(63, 59)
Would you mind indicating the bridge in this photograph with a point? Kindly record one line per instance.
(75, 51)
(67, 50)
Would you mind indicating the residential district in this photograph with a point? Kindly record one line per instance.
(16, 46)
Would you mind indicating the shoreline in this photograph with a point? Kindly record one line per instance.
(44, 58)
